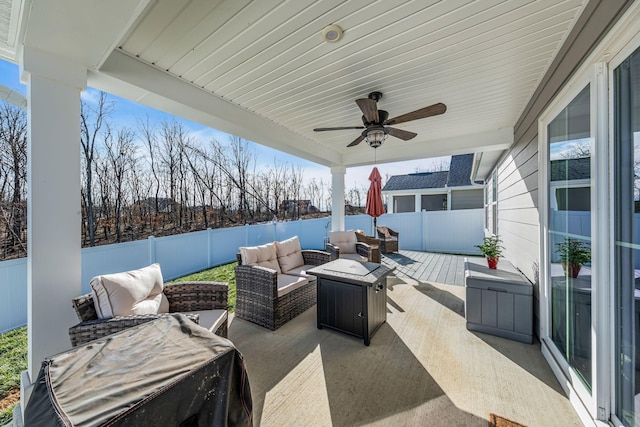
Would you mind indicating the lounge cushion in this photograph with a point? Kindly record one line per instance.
(289, 254)
(263, 255)
(288, 283)
(345, 240)
(130, 292)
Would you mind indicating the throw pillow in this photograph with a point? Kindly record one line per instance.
(289, 254)
(263, 255)
(130, 292)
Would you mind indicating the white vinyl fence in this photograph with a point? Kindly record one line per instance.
(179, 255)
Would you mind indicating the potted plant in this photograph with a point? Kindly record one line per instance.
(573, 254)
(491, 249)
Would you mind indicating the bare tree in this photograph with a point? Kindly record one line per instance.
(92, 123)
(13, 160)
(119, 155)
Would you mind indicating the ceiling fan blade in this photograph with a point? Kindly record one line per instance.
(338, 128)
(432, 110)
(404, 135)
(357, 141)
(369, 108)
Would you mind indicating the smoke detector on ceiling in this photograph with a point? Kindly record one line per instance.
(332, 33)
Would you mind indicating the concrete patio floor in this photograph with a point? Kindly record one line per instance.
(423, 368)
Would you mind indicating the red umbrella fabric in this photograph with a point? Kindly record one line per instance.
(375, 206)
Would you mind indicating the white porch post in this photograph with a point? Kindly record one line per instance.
(390, 204)
(54, 218)
(337, 197)
(418, 202)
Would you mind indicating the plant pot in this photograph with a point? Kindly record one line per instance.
(571, 270)
(493, 263)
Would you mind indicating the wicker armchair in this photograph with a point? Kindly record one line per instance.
(373, 243)
(184, 297)
(362, 253)
(257, 298)
(388, 239)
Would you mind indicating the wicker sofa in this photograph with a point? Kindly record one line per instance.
(203, 302)
(270, 292)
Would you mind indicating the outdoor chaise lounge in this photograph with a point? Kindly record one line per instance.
(271, 284)
(388, 239)
(121, 306)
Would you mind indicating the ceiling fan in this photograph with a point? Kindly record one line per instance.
(376, 122)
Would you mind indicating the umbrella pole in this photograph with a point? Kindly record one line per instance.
(375, 221)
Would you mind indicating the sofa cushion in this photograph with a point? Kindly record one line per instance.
(345, 240)
(289, 254)
(130, 292)
(288, 283)
(263, 255)
(302, 270)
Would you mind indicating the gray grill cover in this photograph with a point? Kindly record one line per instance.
(168, 372)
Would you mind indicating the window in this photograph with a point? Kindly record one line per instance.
(569, 148)
(404, 204)
(434, 202)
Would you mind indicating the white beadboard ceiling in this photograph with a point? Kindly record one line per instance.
(260, 69)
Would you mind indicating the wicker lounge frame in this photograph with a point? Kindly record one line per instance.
(388, 239)
(257, 298)
(183, 297)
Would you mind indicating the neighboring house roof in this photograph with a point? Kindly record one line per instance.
(460, 170)
(570, 169)
(459, 174)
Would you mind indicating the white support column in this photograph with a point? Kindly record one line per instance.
(390, 204)
(418, 202)
(337, 198)
(54, 217)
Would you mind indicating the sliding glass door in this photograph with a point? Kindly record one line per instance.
(569, 229)
(626, 100)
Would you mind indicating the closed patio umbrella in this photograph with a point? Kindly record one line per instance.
(375, 206)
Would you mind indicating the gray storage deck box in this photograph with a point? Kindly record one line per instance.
(498, 302)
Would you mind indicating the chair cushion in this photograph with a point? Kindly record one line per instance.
(288, 283)
(263, 255)
(289, 254)
(211, 319)
(345, 240)
(130, 292)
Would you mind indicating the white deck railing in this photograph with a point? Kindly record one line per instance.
(443, 231)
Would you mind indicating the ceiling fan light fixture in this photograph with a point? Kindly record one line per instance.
(332, 33)
(375, 137)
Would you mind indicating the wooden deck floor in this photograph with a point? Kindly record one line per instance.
(427, 266)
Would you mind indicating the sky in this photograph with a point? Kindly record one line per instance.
(128, 113)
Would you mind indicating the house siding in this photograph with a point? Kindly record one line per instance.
(517, 170)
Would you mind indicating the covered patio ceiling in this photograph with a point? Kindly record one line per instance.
(262, 71)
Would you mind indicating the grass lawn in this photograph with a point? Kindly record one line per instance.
(13, 360)
(13, 344)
